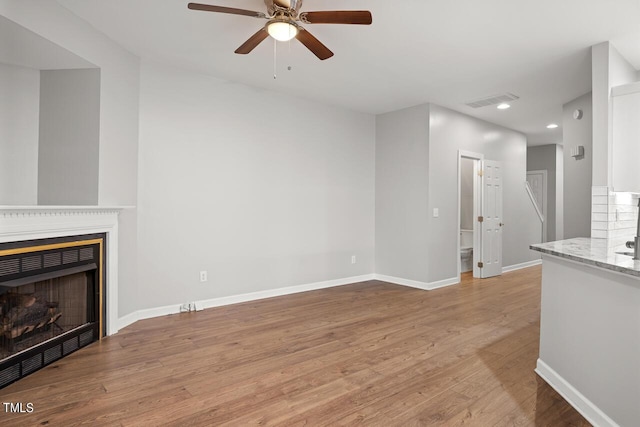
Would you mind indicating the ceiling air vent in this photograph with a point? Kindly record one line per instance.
(492, 100)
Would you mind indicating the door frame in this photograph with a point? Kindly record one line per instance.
(477, 203)
(545, 201)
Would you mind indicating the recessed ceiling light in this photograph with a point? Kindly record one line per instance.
(552, 126)
(503, 106)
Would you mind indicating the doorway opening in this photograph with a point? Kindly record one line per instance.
(469, 208)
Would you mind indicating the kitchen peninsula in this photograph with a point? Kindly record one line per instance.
(590, 328)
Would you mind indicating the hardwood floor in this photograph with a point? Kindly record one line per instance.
(369, 353)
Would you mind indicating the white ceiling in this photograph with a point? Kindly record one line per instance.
(448, 52)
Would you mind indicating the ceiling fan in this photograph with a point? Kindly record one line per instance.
(283, 17)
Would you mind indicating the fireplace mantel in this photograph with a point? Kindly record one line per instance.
(18, 223)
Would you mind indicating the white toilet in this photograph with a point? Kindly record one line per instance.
(466, 250)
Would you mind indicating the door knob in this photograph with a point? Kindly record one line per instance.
(501, 224)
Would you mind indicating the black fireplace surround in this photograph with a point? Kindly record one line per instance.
(52, 301)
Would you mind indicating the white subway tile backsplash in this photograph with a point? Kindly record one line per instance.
(624, 208)
(599, 225)
(626, 216)
(603, 216)
(625, 224)
(614, 215)
(599, 200)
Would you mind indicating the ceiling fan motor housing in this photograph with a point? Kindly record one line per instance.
(291, 7)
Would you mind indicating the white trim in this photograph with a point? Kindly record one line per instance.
(404, 282)
(542, 215)
(587, 408)
(442, 283)
(127, 320)
(270, 293)
(522, 265)
(533, 200)
(425, 286)
(235, 299)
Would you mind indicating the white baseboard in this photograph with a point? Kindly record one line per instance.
(147, 313)
(426, 286)
(270, 293)
(443, 283)
(235, 299)
(522, 265)
(127, 320)
(591, 412)
(403, 282)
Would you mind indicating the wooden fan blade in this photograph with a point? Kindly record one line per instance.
(222, 9)
(253, 41)
(359, 17)
(313, 44)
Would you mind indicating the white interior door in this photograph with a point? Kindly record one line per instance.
(491, 225)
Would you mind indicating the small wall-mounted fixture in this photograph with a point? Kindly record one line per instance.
(577, 114)
(577, 152)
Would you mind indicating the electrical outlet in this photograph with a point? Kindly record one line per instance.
(203, 276)
(353, 259)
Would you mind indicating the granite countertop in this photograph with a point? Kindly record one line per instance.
(595, 252)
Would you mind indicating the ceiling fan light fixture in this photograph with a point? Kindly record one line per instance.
(282, 31)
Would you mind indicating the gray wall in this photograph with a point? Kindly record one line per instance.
(119, 92)
(577, 173)
(260, 189)
(451, 131)
(417, 171)
(543, 157)
(402, 190)
(68, 153)
(19, 110)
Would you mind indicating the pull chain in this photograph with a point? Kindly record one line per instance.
(289, 67)
(275, 56)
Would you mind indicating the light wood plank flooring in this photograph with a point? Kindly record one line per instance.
(369, 353)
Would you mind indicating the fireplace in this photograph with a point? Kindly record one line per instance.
(52, 301)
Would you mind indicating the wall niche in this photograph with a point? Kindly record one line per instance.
(49, 122)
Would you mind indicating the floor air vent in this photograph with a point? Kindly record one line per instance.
(69, 346)
(31, 364)
(86, 338)
(9, 375)
(52, 354)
